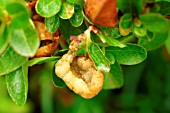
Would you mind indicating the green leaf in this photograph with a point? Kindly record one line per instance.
(129, 55)
(2, 22)
(130, 6)
(58, 82)
(67, 11)
(110, 57)
(4, 40)
(154, 22)
(154, 43)
(97, 56)
(71, 30)
(164, 7)
(17, 85)
(19, 14)
(113, 79)
(139, 31)
(61, 52)
(52, 23)
(25, 41)
(110, 31)
(77, 19)
(80, 2)
(41, 60)
(109, 40)
(125, 24)
(10, 61)
(48, 8)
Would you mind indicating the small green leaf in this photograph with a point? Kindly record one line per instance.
(129, 55)
(151, 44)
(10, 61)
(110, 41)
(154, 22)
(61, 52)
(100, 61)
(130, 6)
(125, 24)
(41, 60)
(58, 82)
(113, 79)
(139, 31)
(80, 2)
(48, 8)
(77, 19)
(52, 23)
(67, 11)
(19, 14)
(110, 31)
(71, 30)
(17, 85)
(4, 40)
(25, 41)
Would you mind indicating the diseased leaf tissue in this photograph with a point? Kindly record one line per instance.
(88, 40)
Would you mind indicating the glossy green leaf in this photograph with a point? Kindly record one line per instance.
(67, 11)
(17, 85)
(25, 41)
(4, 40)
(157, 41)
(113, 79)
(77, 19)
(61, 52)
(41, 60)
(100, 61)
(125, 24)
(18, 13)
(73, 31)
(10, 61)
(52, 23)
(130, 6)
(154, 22)
(48, 8)
(109, 40)
(129, 55)
(58, 82)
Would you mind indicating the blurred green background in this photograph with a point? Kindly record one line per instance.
(146, 89)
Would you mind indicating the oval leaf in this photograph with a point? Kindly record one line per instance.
(48, 8)
(113, 79)
(19, 14)
(77, 19)
(100, 61)
(52, 23)
(67, 11)
(157, 41)
(25, 41)
(155, 22)
(129, 55)
(10, 61)
(17, 86)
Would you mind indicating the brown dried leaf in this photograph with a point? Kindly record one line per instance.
(48, 49)
(103, 12)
